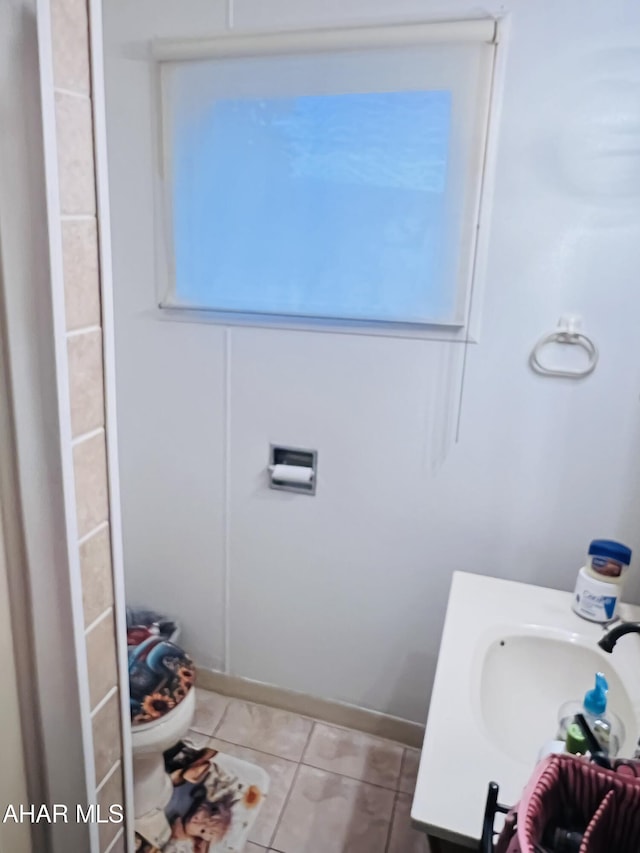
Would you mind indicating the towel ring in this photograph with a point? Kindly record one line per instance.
(567, 334)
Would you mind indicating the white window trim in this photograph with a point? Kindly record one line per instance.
(488, 30)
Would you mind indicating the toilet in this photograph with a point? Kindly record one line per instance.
(151, 784)
(162, 710)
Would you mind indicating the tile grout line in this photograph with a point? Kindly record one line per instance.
(86, 330)
(78, 217)
(289, 792)
(83, 96)
(342, 775)
(272, 839)
(111, 692)
(97, 621)
(270, 754)
(221, 720)
(396, 797)
(115, 840)
(251, 748)
(100, 527)
(87, 436)
(404, 757)
(108, 775)
(307, 742)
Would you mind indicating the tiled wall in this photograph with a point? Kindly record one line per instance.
(79, 227)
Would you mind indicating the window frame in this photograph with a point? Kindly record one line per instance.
(166, 52)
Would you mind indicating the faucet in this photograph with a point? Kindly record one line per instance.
(611, 637)
(608, 642)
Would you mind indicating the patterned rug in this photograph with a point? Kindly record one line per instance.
(216, 799)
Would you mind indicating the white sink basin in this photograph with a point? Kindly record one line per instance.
(511, 655)
(525, 677)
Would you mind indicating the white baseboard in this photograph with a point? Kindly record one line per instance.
(327, 710)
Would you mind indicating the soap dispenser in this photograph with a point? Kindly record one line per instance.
(606, 726)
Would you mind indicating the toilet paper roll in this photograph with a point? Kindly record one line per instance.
(291, 473)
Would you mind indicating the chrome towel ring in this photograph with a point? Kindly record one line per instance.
(568, 332)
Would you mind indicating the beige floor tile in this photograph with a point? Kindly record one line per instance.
(409, 772)
(354, 754)
(281, 773)
(210, 708)
(266, 729)
(404, 838)
(327, 813)
(253, 848)
(198, 739)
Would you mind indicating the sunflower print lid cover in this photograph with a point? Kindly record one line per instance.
(160, 676)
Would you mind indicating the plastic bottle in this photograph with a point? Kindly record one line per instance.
(576, 742)
(607, 727)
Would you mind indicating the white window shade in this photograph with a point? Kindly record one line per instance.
(338, 183)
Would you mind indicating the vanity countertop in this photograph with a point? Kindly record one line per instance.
(459, 757)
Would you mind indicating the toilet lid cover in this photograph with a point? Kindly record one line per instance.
(160, 676)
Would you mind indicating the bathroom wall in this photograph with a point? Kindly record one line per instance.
(433, 457)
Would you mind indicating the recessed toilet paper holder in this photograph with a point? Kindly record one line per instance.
(293, 469)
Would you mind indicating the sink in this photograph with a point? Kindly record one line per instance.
(511, 654)
(525, 677)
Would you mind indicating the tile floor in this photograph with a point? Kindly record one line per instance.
(333, 790)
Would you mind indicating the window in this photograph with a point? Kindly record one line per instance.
(340, 184)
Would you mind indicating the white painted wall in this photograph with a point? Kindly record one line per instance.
(344, 595)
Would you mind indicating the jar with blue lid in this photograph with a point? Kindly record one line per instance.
(607, 560)
(599, 583)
